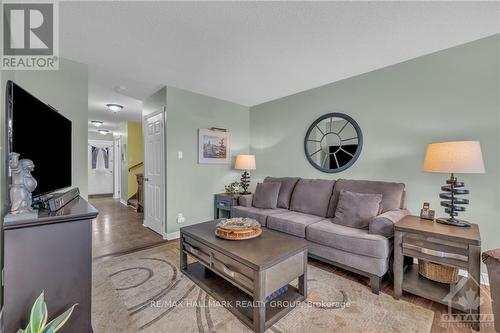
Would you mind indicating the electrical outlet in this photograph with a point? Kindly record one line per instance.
(179, 155)
(180, 218)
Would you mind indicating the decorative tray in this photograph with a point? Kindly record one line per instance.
(238, 228)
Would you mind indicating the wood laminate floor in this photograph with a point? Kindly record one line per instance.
(119, 229)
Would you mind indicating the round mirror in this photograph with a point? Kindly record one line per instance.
(333, 142)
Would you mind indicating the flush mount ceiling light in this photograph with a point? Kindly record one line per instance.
(103, 131)
(114, 107)
(96, 123)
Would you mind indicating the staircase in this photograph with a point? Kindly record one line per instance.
(137, 200)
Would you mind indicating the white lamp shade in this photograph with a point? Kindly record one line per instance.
(454, 157)
(245, 162)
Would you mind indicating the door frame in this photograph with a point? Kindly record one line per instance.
(162, 110)
(117, 145)
(112, 145)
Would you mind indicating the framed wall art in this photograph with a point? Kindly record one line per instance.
(213, 146)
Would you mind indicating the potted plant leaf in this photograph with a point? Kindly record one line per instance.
(38, 318)
(232, 188)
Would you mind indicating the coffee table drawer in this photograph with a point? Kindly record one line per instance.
(240, 280)
(233, 270)
(197, 250)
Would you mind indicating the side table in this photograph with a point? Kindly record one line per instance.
(441, 244)
(223, 203)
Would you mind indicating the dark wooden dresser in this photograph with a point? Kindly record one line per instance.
(52, 253)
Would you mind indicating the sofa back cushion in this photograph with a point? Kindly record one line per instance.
(356, 210)
(286, 189)
(312, 196)
(392, 193)
(266, 195)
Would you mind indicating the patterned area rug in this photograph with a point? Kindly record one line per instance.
(145, 292)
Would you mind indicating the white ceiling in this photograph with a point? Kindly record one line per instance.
(106, 87)
(253, 52)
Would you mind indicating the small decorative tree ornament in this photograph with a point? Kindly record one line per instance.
(22, 184)
(245, 182)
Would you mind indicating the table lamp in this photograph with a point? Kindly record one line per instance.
(245, 162)
(454, 157)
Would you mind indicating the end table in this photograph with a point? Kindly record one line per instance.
(223, 203)
(441, 244)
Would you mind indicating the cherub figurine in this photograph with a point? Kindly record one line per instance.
(22, 185)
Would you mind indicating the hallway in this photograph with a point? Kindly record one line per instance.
(119, 229)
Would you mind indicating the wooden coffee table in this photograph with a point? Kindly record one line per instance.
(242, 274)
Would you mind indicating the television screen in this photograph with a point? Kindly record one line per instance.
(39, 133)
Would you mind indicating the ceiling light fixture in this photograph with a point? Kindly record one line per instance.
(103, 131)
(114, 107)
(96, 123)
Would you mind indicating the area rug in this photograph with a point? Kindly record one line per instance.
(144, 291)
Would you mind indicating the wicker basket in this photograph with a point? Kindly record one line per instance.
(437, 272)
(238, 234)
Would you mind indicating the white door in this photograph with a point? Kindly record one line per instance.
(154, 172)
(100, 174)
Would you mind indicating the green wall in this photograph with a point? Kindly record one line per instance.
(448, 95)
(191, 186)
(66, 90)
(123, 134)
(135, 153)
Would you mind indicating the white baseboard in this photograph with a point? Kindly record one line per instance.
(172, 235)
(123, 202)
(484, 276)
(484, 279)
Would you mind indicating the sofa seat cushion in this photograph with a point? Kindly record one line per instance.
(286, 189)
(376, 266)
(260, 214)
(312, 196)
(292, 223)
(353, 240)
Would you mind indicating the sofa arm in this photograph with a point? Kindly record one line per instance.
(383, 224)
(245, 200)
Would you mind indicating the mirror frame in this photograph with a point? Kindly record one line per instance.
(356, 154)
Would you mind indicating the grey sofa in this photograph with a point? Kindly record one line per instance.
(306, 208)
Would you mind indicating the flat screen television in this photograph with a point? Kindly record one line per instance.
(38, 132)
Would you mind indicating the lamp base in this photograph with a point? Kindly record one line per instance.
(245, 182)
(454, 222)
